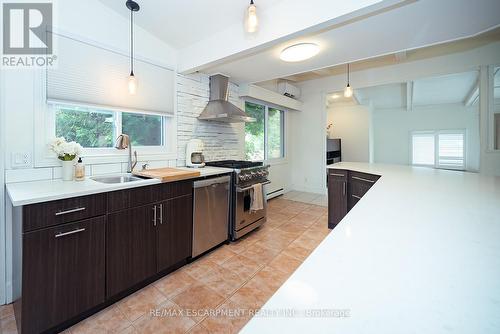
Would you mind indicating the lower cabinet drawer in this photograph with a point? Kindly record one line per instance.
(63, 273)
(41, 215)
(368, 179)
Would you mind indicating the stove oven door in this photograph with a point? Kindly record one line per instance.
(244, 216)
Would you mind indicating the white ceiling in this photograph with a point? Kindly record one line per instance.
(448, 89)
(209, 36)
(415, 25)
(180, 23)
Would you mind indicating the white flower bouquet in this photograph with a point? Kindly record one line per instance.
(66, 151)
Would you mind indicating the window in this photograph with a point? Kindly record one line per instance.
(264, 138)
(440, 149)
(423, 149)
(275, 134)
(96, 128)
(451, 150)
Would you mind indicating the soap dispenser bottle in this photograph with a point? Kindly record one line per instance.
(79, 170)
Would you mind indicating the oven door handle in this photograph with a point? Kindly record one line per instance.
(240, 190)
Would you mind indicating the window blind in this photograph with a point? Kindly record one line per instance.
(93, 75)
(451, 150)
(423, 149)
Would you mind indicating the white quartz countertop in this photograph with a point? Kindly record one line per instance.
(24, 193)
(419, 253)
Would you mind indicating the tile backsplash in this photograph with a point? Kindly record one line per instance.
(222, 140)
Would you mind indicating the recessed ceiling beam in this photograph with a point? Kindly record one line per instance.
(409, 95)
(401, 56)
(473, 95)
(322, 72)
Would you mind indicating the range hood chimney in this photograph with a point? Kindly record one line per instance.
(218, 108)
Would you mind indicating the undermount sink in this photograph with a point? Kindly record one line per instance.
(116, 178)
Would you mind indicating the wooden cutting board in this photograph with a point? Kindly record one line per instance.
(168, 174)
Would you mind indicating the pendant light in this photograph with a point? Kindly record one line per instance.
(251, 20)
(132, 81)
(348, 90)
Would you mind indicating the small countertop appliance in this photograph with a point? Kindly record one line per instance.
(194, 154)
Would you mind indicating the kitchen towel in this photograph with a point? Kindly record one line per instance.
(257, 200)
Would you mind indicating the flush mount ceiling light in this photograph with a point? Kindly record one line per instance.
(299, 52)
(251, 19)
(348, 90)
(132, 81)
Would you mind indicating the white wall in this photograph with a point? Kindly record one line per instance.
(107, 28)
(352, 125)
(307, 144)
(392, 129)
(307, 141)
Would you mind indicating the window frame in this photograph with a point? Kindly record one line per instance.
(493, 108)
(117, 123)
(266, 130)
(436, 134)
(44, 114)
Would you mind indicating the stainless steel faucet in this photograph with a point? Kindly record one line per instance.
(123, 142)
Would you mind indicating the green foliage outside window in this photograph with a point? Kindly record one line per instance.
(144, 130)
(96, 128)
(255, 133)
(89, 129)
(274, 135)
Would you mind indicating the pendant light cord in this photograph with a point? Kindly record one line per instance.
(131, 42)
(347, 74)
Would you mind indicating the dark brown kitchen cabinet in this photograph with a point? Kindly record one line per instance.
(81, 254)
(130, 248)
(175, 231)
(345, 189)
(337, 189)
(63, 273)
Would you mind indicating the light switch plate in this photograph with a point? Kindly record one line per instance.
(21, 160)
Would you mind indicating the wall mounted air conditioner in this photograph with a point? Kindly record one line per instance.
(287, 89)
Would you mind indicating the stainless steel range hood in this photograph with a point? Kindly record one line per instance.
(218, 108)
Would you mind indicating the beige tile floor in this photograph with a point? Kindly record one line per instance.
(214, 293)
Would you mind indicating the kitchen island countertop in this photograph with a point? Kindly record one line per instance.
(419, 253)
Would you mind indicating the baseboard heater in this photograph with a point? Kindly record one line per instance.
(275, 193)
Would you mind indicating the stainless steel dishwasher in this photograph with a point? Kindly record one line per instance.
(211, 213)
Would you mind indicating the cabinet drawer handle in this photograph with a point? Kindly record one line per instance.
(69, 211)
(161, 214)
(58, 235)
(154, 215)
(335, 174)
(362, 179)
(343, 190)
(358, 197)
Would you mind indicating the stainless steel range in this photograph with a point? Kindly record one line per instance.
(245, 175)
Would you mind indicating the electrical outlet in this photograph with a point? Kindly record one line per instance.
(21, 160)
